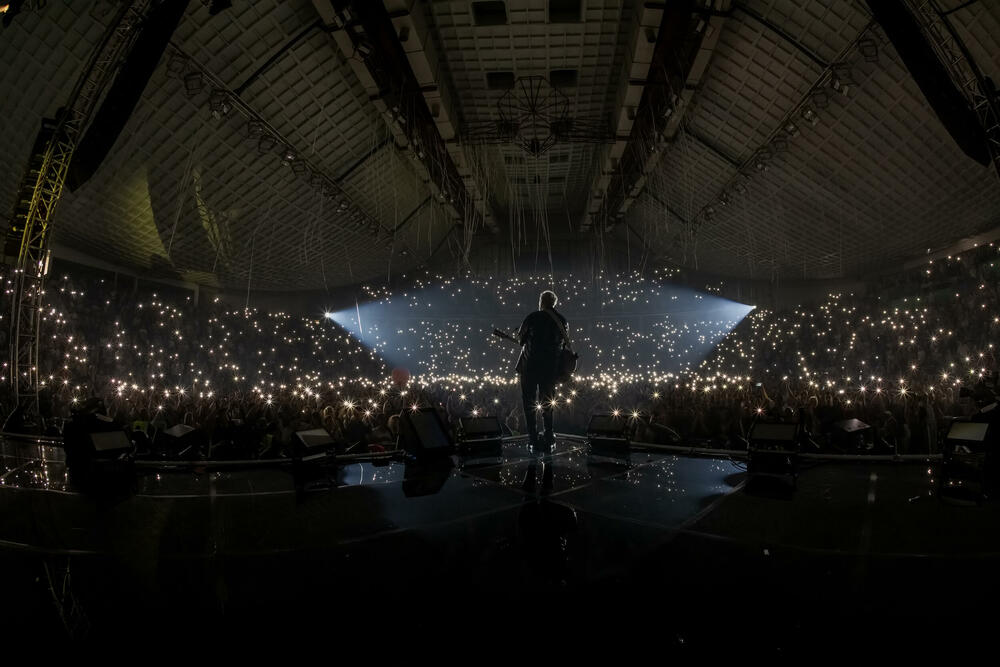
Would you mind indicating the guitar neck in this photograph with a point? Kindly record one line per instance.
(504, 335)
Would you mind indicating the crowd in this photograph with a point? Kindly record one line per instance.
(899, 358)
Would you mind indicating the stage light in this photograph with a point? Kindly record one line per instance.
(266, 144)
(869, 49)
(193, 83)
(216, 6)
(176, 66)
(220, 104)
(288, 157)
(10, 10)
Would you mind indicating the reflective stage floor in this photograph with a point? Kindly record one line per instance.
(675, 545)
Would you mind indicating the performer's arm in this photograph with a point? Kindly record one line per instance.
(522, 332)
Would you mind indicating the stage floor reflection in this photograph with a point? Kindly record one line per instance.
(667, 541)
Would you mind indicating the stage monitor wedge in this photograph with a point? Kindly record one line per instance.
(312, 444)
(424, 435)
(481, 436)
(608, 436)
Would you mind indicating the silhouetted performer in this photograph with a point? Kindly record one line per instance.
(540, 336)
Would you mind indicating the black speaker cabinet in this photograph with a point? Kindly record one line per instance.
(773, 450)
(312, 444)
(481, 436)
(180, 441)
(100, 455)
(608, 435)
(423, 434)
(968, 461)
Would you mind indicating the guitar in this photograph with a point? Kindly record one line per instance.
(506, 336)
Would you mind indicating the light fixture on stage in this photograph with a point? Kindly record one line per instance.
(810, 116)
(288, 157)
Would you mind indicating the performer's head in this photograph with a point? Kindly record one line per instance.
(547, 299)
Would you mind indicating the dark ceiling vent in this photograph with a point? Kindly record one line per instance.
(489, 13)
(564, 11)
(499, 80)
(563, 78)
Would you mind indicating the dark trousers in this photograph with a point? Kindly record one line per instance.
(538, 389)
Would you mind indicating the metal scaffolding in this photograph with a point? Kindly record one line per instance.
(32, 260)
(982, 97)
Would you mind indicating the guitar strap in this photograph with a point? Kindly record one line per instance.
(562, 330)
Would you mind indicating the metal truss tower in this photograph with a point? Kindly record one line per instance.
(41, 201)
(977, 89)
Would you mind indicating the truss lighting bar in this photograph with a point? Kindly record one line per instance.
(268, 138)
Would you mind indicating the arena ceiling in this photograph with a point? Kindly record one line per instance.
(189, 194)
